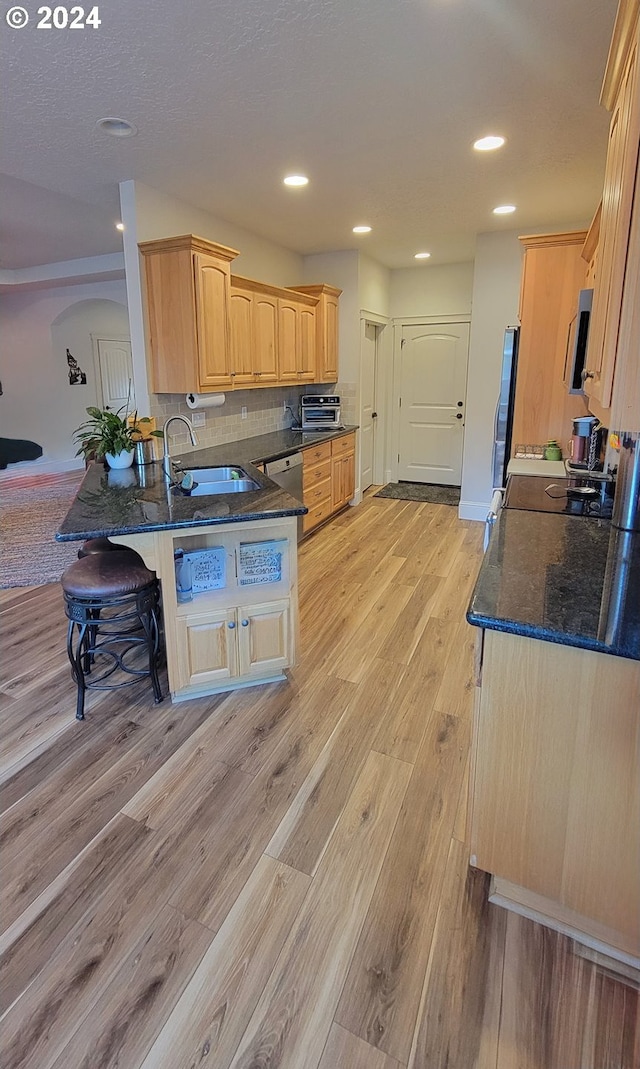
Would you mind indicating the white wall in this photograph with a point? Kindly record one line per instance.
(161, 216)
(374, 283)
(36, 328)
(444, 289)
(496, 292)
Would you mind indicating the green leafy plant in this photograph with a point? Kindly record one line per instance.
(105, 432)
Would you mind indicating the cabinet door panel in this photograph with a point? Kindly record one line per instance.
(617, 201)
(330, 359)
(288, 341)
(212, 303)
(307, 343)
(264, 638)
(265, 337)
(240, 308)
(207, 648)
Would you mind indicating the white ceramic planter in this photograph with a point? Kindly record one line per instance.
(120, 460)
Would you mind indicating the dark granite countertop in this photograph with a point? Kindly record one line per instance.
(573, 580)
(137, 499)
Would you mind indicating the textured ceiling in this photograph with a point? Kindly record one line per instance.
(377, 101)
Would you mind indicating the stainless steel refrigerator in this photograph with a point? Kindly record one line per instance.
(503, 425)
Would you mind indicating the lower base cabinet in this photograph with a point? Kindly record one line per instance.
(555, 788)
(237, 643)
(328, 479)
(243, 629)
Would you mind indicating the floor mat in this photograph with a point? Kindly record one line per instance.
(431, 492)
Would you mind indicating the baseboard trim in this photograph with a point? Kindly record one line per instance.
(473, 510)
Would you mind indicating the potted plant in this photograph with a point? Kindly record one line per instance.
(106, 435)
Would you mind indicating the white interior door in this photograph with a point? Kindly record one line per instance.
(115, 373)
(432, 401)
(368, 414)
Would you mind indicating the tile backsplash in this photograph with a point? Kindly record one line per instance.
(265, 412)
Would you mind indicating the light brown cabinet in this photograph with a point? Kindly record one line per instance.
(553, 274)
(210, 330)
(297, 342)
(244, 630)
(254, 334)
(326, 329)
(343, 459)
(187, 299)
(328, 479)
(555, 786)
(621, 95)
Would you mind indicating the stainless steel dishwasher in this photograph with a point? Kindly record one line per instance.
(287, 473)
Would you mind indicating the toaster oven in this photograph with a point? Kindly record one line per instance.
(320, 412)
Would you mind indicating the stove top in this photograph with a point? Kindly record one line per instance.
(577, 495)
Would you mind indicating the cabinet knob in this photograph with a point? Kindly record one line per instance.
(584, 375)
(231, 625)
(245, 623)
(458, 415)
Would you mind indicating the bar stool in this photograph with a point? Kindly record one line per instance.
(112, 604)
(102, 545)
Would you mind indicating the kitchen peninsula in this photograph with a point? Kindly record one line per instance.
(240, 628)
(555, 781)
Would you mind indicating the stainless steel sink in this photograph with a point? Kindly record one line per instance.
(217, 475)
(210, 481)
(223, 486)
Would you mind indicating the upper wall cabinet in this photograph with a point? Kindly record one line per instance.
(254, 334)
(187, 283)
(621, 95)
(297, 339)
(326, 329)
(552, 276)
(210, 330)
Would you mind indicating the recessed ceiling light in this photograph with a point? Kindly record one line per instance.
(504, 209)
(117, 127)
(119, 226)
(296, 180)
(362, 230)
(488, 144)
(422, 256)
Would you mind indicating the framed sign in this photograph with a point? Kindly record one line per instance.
(261, 562)
(208, 568)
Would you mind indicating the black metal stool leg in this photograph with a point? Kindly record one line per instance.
(77, 660)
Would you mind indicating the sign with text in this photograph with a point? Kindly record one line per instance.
(260, 562)
(208, 568)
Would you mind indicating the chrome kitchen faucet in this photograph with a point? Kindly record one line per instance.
(166, 457)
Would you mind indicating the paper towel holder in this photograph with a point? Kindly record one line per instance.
(205, 400)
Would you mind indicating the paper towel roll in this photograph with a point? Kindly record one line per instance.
(205, 400)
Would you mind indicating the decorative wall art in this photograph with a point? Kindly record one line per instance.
(77, 376)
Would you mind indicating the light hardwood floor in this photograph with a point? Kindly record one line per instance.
(278, 877)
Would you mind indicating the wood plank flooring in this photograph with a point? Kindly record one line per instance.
(278, 878)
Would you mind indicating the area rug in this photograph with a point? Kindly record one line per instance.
(31, 510)
(431, 492)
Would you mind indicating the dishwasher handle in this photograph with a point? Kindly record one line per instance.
(276, 467)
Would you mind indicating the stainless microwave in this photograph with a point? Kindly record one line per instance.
(320, 412)
(575, 360)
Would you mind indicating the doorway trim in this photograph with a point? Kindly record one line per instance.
(398, 325)
(382, 391)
